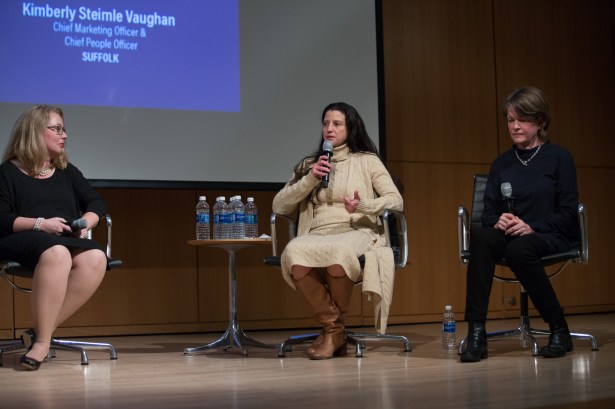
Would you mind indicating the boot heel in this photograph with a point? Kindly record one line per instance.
(341, 351)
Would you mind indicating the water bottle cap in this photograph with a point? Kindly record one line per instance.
(250, 199)
(202, 198)
(238, 197)
(448, 308)
(223, 198)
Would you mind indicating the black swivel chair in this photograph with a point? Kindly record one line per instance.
(527, 334)
(395, 231)
(10, 269)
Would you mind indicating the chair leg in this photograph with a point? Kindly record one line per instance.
(82, 347)
(10, 346)
(355, 338)
(287, 345)
(358, 340)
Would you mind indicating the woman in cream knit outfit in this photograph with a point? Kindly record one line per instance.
(337, 224)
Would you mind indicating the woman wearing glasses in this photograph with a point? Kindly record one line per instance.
(41, 193)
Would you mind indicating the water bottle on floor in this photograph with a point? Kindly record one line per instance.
(448, 329)
(202, 219)
(251, 218)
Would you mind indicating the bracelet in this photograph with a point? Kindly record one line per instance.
(37, 224)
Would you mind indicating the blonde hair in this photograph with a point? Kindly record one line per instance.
(26, 143)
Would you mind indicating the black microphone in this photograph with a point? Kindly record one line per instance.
(327, 147)
(506, 189)
(78, 224)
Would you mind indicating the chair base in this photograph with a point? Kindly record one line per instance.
(10, 346)
(354, 338)
(527, 336)
(79, 346)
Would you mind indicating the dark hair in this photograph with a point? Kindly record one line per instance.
(357, 140)
(530, 103)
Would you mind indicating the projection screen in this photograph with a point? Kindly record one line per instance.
(189, 92)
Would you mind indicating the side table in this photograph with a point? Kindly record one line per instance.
(234, 335)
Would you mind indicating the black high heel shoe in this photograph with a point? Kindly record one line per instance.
(29, 338)
(30, 364)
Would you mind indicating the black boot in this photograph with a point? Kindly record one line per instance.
(560, 340)
(476, 343)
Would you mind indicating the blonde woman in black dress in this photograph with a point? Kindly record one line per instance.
(40, 194)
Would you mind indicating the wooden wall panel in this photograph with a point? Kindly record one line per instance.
(564, 47)
(439, 80)
(6, 310)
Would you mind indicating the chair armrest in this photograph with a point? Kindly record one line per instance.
(584, 250)
(402, 234)
(291, 222)
(463, 229)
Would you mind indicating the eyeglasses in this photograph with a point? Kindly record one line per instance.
(59, 129)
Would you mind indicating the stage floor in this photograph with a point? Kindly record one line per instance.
(152, 372)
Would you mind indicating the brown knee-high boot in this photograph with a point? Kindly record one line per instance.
(340, 289)
(326, 312)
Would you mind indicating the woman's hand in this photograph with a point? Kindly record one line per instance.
(511, 225)
(322, 167)
(352, 203)
(55, 225)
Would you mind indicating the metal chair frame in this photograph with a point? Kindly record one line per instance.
(11, 269)
(400, 251)
(527, 335)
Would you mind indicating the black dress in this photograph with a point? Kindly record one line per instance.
(65, 194)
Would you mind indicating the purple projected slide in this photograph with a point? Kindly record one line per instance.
(179, 54)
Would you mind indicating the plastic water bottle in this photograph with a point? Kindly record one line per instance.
(239, 225)
(202, 219)
(218, 217)
(226, 222)
(231, 209)
(448, 329)
(251, 219)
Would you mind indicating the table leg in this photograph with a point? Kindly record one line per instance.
(234, 335)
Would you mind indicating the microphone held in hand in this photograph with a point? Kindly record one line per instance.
(327, 148)
(506, 190)
(78, 224)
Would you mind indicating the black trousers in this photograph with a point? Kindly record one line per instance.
(522, 253)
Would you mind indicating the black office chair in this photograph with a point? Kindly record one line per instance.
(525, 332)
(10, 269)
(395, 231)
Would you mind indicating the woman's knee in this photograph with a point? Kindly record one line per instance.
(93, 259)
(56, 255)
(336, 270)
(521, 252)
(487, 239)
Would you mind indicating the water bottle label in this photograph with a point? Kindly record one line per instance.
(449, 327)
(226, 218)
(216, 218)
(251, 218)
(202, 218)
(239, 218)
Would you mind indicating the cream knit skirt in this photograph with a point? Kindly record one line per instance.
(322, 248)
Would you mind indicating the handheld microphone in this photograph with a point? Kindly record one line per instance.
(78, 224)
(327, 147)
(506, 190)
